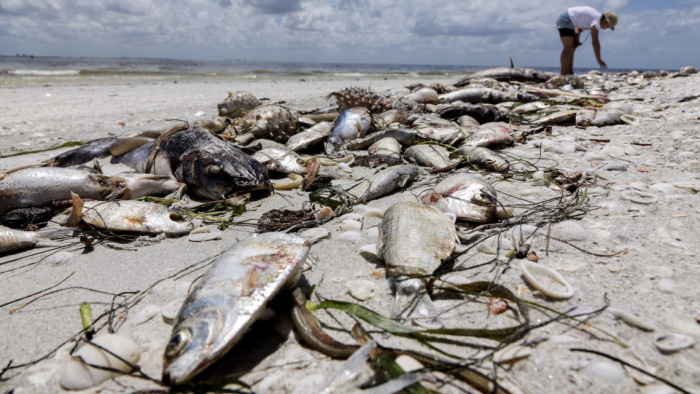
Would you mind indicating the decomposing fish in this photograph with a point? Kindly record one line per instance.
(428, 155)
(308, 138)
(529, 107)
(557, 117)
(384, 182)
(281, 160)
(467, 196)
(485, 95)
(406, 137)
(127, 215)
(414, 240)
(95, 149)
(386, 118)
(489, 139)
(211, 168)
(482, 157)
(584, 118)
(482, 113)
(386, 146)
(350, 124)
(237, 104)
(12, 240)
(38, 185)
(424, 95)
(229, 299)
(376, 160)
(360, 97)
(450, 135)
(612, 113)
(507, 74)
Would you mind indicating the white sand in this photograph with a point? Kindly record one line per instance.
(655, 279)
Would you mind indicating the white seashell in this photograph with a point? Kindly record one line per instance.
(511, 353)
(531, 271)
(351, 216)
(371, 249)
(59, 258)
(146, 314)
(605, 371)
(672, 342)
(349, 236)
(315, 234)
(631, 319)
(170, 311)
(206, 233)
(79, 376)
(361, 289)
(568, 230)
(639, 197)
(199, 113)
(324, 214)
(484, 248)
(350, 225)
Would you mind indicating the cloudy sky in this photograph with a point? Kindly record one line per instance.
(650, 33)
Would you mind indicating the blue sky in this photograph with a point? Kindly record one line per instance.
(650, 34)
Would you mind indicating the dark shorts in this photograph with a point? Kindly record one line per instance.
(567, 33)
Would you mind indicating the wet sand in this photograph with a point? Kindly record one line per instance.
(653, 274)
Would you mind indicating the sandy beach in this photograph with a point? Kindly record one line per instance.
(640, 253)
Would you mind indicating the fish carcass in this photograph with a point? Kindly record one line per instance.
(229, 299)
(467, 196)
(350, 124)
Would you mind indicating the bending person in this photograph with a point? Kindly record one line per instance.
(571, 23)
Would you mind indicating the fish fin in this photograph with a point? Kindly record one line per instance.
(403, 180)
(511, 62)
(76, 212)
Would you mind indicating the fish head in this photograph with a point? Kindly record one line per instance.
(219, 175)
(194, 345)
(333, 142)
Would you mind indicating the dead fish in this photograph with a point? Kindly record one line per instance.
(422, 96)
(212, 168)
(450, 135)
(467, 196)
(485, 95)
(12, 240)
(428, 155)
(38, 185)
(483, 113)
(482, 157)
(360, 97)
(414, 240)
(386, 146)
(406, 137)
(386, 118)
(611, 114)
(229, 299)
(529, 107)
(311, 137)
(521, 74)
(95, 149)
(489, 139)
(384, 182)
(430, 120)
(584, 118)
(557, 117)
(127, 215)
(376, 160)
(350, 124)
(269, 121)
(467, 121)
(281, 160)
(237, 104)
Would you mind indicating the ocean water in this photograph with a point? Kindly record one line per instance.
(24, 67)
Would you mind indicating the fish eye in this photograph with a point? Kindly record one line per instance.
(177, 342)
(483, 198)
(300, 162)
(213, 170)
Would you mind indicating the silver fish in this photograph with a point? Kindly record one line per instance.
(482, 157)
(386, 146)
(521, 74)
(584, 118)
(229, 299)
(467, 196)
(485, 95)
(429, 155)
(350, 124)
(450, 135)
(414, 239)
(311, 137)
(557, 117)
(281, 160)
(406, 137)
(529, 107)
(38, 185)
(384, 182)
(11, 240)
(488, 138)
(127, 215)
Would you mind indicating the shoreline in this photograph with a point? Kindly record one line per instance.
(654, 280)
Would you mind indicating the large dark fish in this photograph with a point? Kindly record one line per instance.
(211, 168)
(521, 74)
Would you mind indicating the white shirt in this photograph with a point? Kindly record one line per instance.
(585, 17)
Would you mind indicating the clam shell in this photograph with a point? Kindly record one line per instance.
(568, 230)
(671, 342)
(536, 273)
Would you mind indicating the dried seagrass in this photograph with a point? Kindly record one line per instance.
(360, 97)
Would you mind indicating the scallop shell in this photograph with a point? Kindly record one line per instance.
(535, 273)
(568, 230)
(671, 342)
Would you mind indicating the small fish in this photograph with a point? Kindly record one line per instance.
(414, 240)
(38, 185)
(485, 95)
(12, 240)
(386, 146)
(584, 118)
(384, 182)
(467, 196)
(428, 155)
(350, 124)
(489, 139)
(127, 215)
(406, 137)
(529, 107)
(237, 104)
(557, 117)
(311, 137)
(482, 157)
(521, 74)
(450, 135)
(229, 299)
(281, 160)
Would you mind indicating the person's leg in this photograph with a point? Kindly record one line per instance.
(567, 55)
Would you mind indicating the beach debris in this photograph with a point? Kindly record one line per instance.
(237, 104)
(314, 235)
(386, 146)
(112, 354)
(229, 299)
(383, 183)
(310, 137)
(360, 97)
(414, 240)
(283, 219)
(269, 121)
(544, 278)
(281, 160)
(127, 215)
(631, 319)
(481, 157)
(350, 124)
(511, 353)
(361, 289)
(428, 155)
(568, 230)
(467, 196)
(485, 96)
(482, 113)
(520, 74)
(212, 168)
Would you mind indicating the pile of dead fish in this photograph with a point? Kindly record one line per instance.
(449, 133)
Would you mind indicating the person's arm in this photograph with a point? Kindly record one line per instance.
(596, 47)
